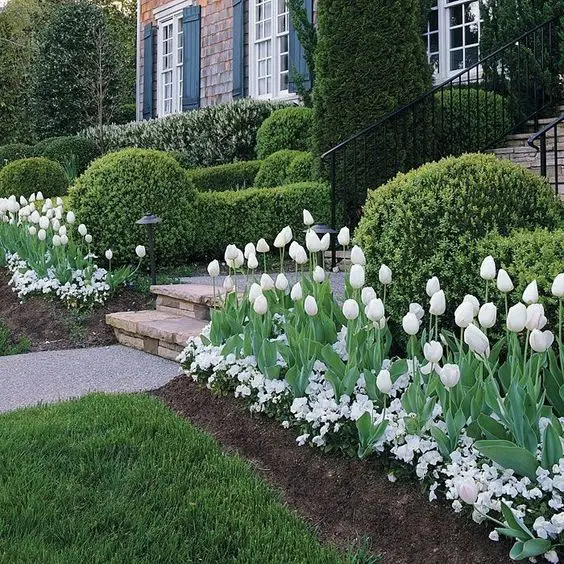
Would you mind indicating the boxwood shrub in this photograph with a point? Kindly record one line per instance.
(63, 149)
(428, 222)
(14, 152)
(287, 128)
(274, 169)
(221, 218)
(301, 169)
(234, 176)
(27, 176)
(119, 188)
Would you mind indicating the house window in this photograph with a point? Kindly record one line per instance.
(453, 36)
(170, 63)
(269, 61)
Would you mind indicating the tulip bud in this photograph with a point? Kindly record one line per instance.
(23, 201)
(541, 341)
(281, 282)
(71, 218)
(88, 238)
(249, 250)
(308, 218)
(410, 324)
(385, 275)
(287, 234)
(318, 274)
(59, 201)
(517, 318)
(44, 222)
(228, 284)
(239, 259)
(32, 198)
(357, 256)
(140, 251)
(296, 294)
(230, 254)
(64, 240)
(42, 235)
(374, 311)
(487, 315)
(325, 242)
(535, 317)
(433, 352)
(294, 246)
(464, 314)
(357, 276)
(344, 237)
(475, 303)
(82, 229)
(254, 292)
(301, 256)
(449, 375)
(252, 263)
(531, 293)
(351, 309)
(280, 241)
(55, 224)
(35, 217)
(504, 283)
(39, 196)
(266, 282)
(558, 286)
(488, 268)
(32, 230)
(468, 491)
(310, 306)
(368, 294)
(260, 305)
(477, 341)
(56, 241)
(418, 310)
(262, 246)
(384, 382)
(63, 230)
(110, 255)
(433, 286)
(213, 266)
(438, 303)
(313, 243)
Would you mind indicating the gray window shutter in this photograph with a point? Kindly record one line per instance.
(148, 54)
(191, 23)
(238, 48)
(298, 65)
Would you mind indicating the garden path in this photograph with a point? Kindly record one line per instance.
(44, 377)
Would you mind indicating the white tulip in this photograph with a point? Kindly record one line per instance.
(433, 352)
(262, 246)
(35, 217)
(32, 198)
(110, 255)
(517, 318)
(410, 323)
(477, 341)
(281, 282)
(213, 266)
(384, 382)
(325, 242)
(468, 491)
(266, 282)
(558, 286)
(59, 201)
(55, 224)
(64, 240)
(59, 213)
(39, 196)
(82, 229)
(449, 375)
(228, 284)
(504, 282)
(23, 201)
(296, 294)
(417, 309)
(488, 268)
(280, 241)
(357, 256)
(374, 311)
(32, 230)
(239, 259)
(42, 235)
(344, 237)
(252, 263)
(438, 303)
(249, 250)
(287, 234)
(531, 293)
(310, 306)
(88, 238)
(230, 254)
(301, 256)
(49, 213)
(44, 222)
(71, 218)
(63, 230)
(313, 243)
(464, 314)
(487, 315)
(254, 292)
(357, 276)
(56, 241)
(367, 295)
(433, 286)
(294, 246)
(140, 251)
(260, 305)
(351, 310)
(475, 303)
(318, 274)
(308, 218)
(385, 275)
(541, 341)
(535, 317)
(379, 324)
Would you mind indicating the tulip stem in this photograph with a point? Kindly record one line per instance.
(487, 288)
(526, 349)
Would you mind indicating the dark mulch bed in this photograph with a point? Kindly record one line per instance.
(345, 500)
(50, 326)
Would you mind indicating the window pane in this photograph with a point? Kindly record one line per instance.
(284, 81)
(434, 43)
(456, 60)
(434, 60)
(456, 37)
(434, 20)
(455, 16)
(471, 34)
(284, 44)
(471, 56)
(471, 12)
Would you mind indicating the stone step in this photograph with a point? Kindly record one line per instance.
(155, 332)
(187, 300)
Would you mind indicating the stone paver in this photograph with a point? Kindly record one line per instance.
(45, 377)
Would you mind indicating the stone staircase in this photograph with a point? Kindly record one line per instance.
(182, 311)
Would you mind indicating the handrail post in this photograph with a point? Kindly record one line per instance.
(333, 207)
(543, 154)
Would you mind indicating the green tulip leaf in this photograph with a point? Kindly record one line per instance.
(552, 450)
(491, 428)
(509, 455)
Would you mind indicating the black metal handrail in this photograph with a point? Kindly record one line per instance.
(471, 111)
(542, 148)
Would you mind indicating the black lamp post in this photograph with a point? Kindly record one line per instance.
(321, 229)
(150, 220)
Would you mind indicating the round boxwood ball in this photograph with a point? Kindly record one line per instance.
(27, 176)
(63, 149)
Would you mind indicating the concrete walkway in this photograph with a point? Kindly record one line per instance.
(44, 377)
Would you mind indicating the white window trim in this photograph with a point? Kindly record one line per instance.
(284, 95)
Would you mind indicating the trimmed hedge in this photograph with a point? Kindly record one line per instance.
(288, 128)
(221, 218)
(234, 176)
(301, 169)
(14, 152)
(63, 149)
(27, 176)
(119, 188)
(213, 135)
(427, 222)
(274, 169)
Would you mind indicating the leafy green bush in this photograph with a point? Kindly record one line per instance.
(120, 188)
(274, 169)
(65, 149)
(221, 218)
(427, 222)
(27, 176)
(457, 131)
(126, 113)
(288, 128)
(39, 147)
(213, 135)
(234, 176)
(14, 152)
(301, 169)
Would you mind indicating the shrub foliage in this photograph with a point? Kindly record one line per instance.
(274, 169)
(234, 176)
(14, 152)
(27, 176)
(63, 149)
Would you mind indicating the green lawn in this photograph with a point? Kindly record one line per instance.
(122, 479)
